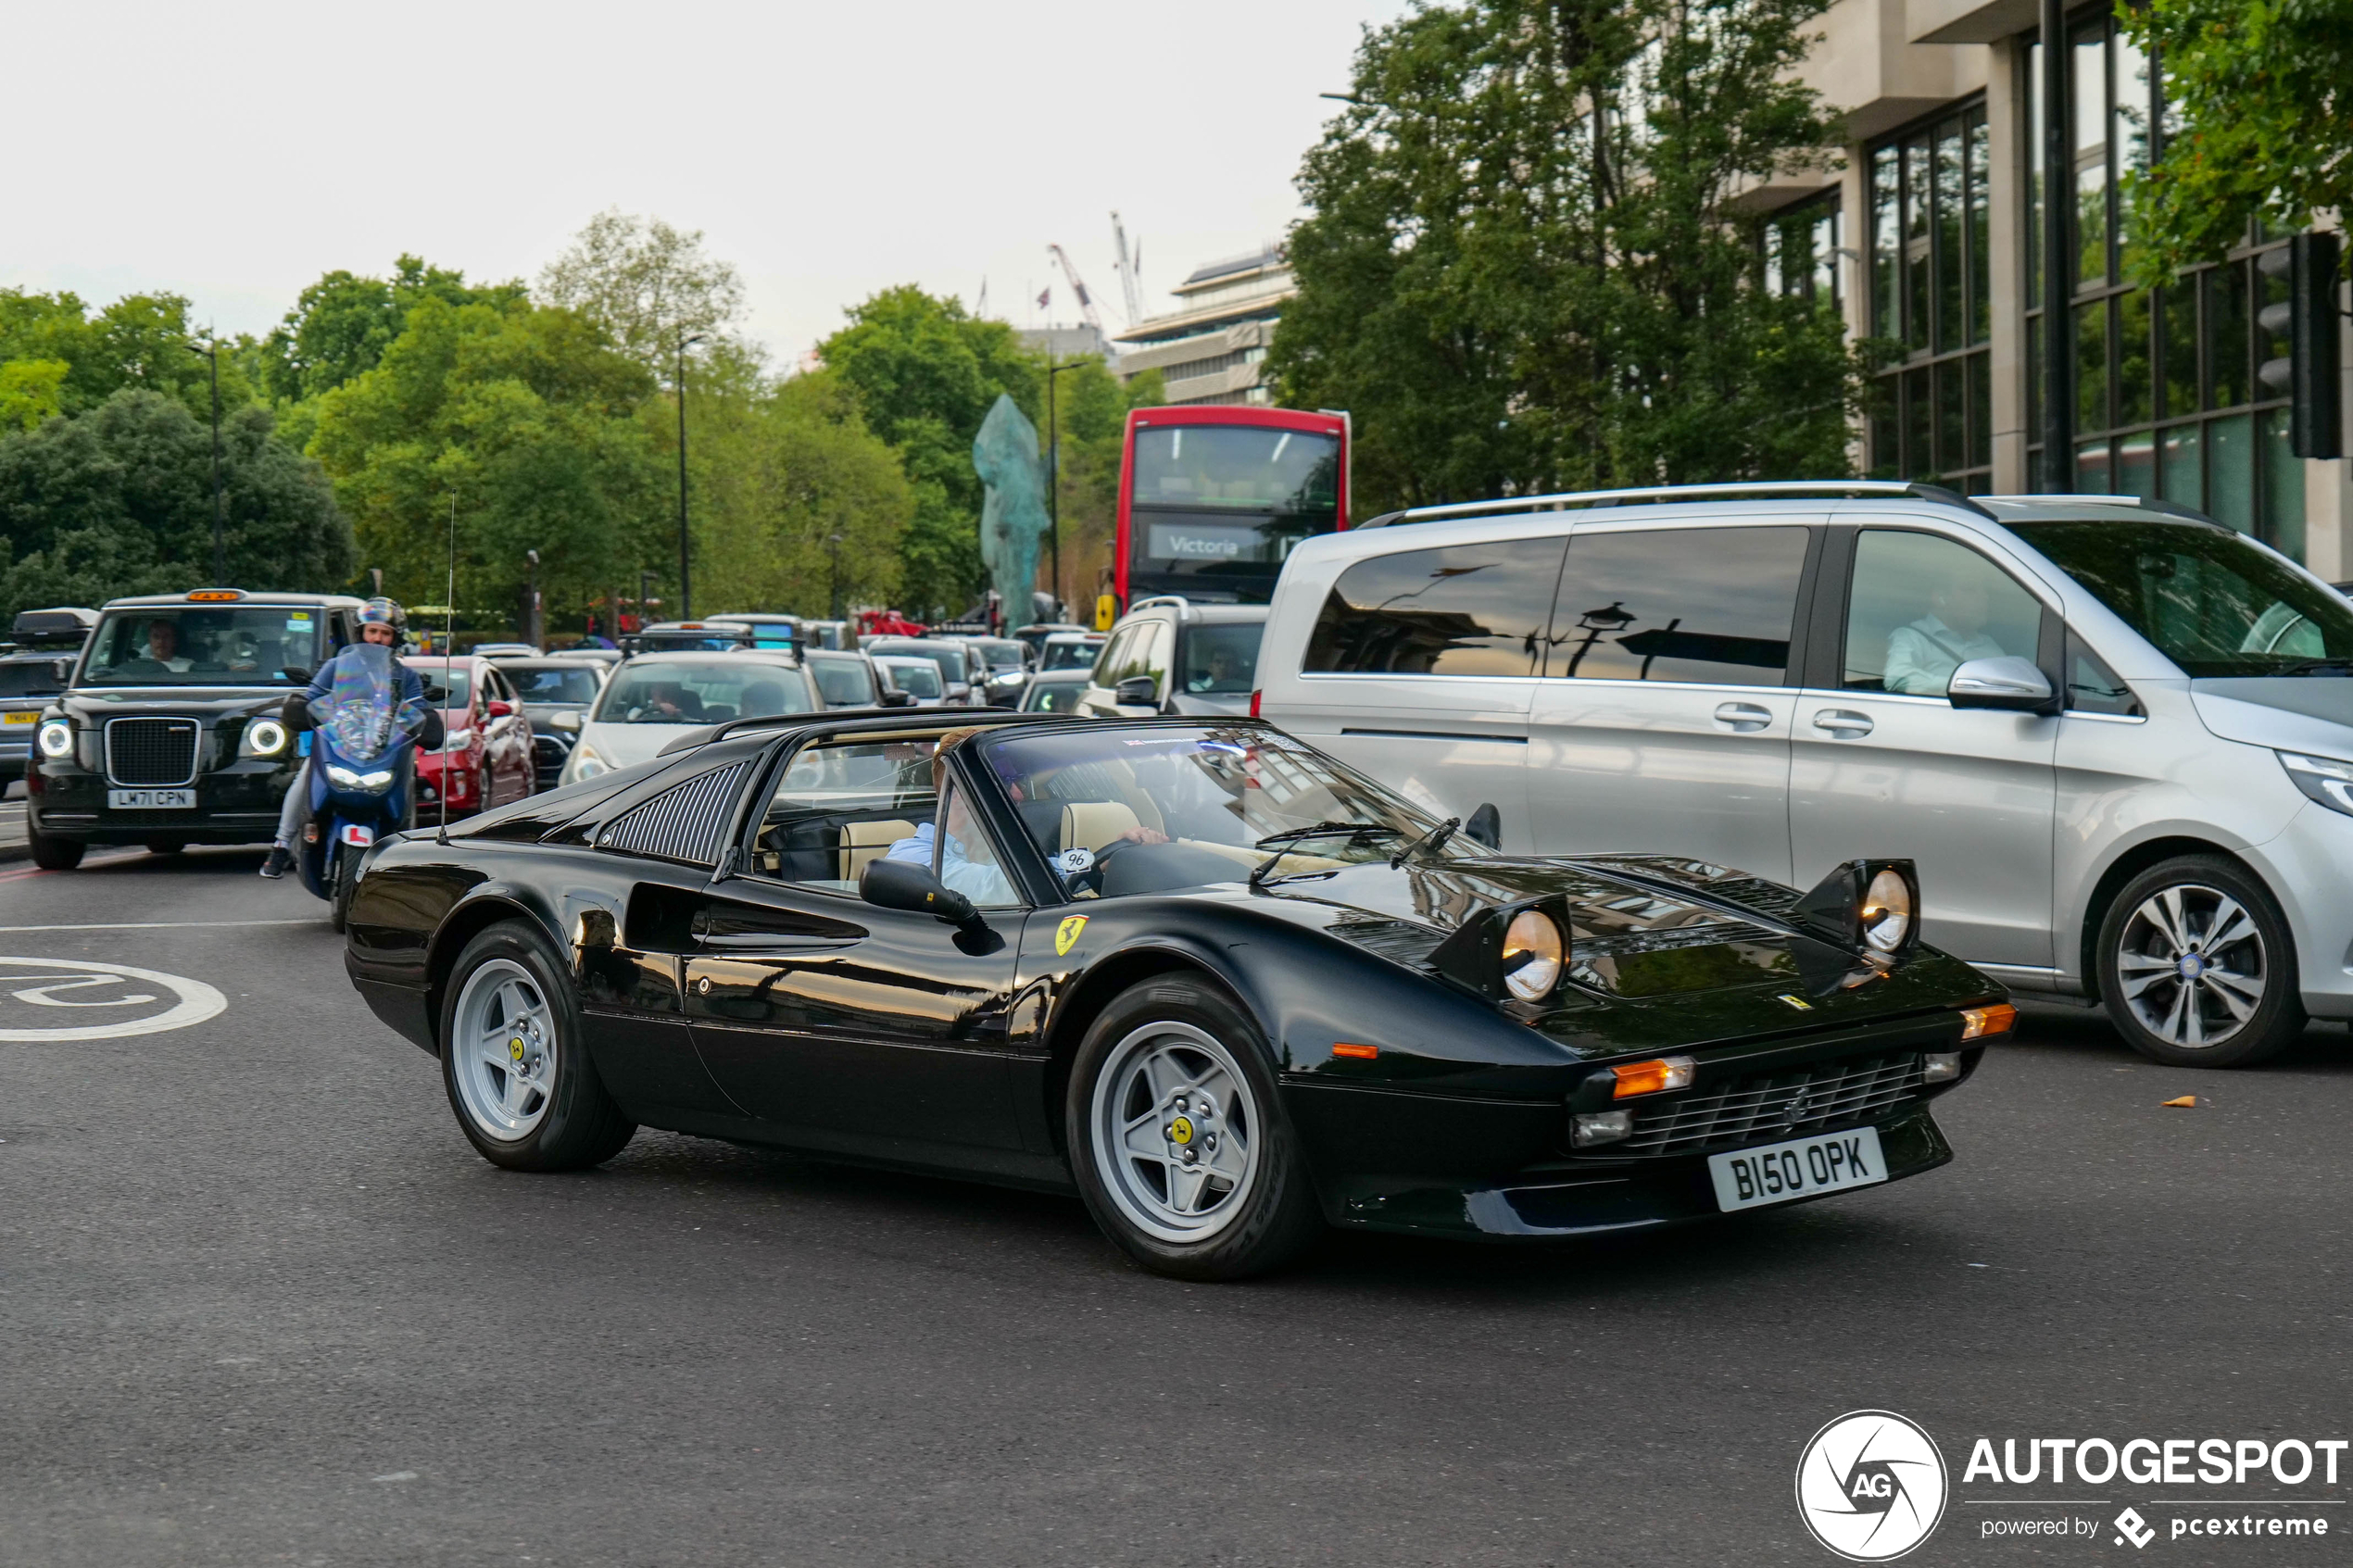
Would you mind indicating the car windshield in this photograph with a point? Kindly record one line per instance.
(1222, 659)
(2209, 599)
(917, 676)
(1002, 653)
(29, 677)
(553, 683)
(844, 681)
(200, 646)
(1159, 808)
(1074, 655)
(1053, 696)
(691, 642)
(950, 662)
(654, 691)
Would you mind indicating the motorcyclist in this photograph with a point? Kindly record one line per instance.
(380, 621)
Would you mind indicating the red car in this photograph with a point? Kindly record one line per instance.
(487, 761)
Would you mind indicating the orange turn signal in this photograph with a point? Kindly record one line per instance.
(1995, 1019)
(1651, 1077)
(1362, 1053)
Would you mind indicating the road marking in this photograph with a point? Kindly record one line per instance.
(162, 925)
(194, 1001)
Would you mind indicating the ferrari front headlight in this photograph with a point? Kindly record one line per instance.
(1886, 913)
(1532, 949)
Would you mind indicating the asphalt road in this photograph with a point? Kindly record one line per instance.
(259, 1303)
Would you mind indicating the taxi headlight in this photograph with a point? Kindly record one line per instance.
(265, 737)
(57, 738)
(1532, 955)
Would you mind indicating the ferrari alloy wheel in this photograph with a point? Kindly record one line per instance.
(525, 1094)
(1175, 1130)
(2197, 966)
(1179, 1146)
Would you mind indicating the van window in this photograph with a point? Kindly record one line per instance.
(2092, 686)
(1922, 607)
(1706, 605)
(1459, 609)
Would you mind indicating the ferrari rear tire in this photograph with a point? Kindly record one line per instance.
(1180, 1147)
(55, 854)
(514, 1062)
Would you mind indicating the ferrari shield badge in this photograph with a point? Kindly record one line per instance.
(1067, 933)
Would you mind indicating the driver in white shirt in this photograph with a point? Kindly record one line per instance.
(1923, 654)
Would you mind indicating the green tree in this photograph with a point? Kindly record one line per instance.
(527, 418)
(796, 500)
(924, 371)
(140, 341)
(647, 284)
(2261, 92)
(119, 500)
(1523, 271)
(342, 324)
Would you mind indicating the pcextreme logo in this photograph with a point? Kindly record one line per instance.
(1871, 1486)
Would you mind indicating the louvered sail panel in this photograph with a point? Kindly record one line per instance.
(681, 823)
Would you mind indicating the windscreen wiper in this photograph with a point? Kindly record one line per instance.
(1314, 830)
(1430, 842)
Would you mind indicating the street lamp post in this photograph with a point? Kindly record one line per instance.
(833, 551)
(531, 598)
(685, 590)
(1054, 472)
(219, 508)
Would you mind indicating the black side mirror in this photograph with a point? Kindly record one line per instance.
(61, 672)
(1485, 826)
(897, 698)
(296, 672)
(903, 885)
(1136, 691)
(437, 695)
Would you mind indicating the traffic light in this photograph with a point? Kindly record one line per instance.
(2307, 374)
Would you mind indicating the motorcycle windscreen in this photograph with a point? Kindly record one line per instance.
(356, 712)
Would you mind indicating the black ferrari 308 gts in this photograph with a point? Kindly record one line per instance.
(1223, 987)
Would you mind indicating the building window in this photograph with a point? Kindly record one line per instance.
(1931, 304)
(1801, 248)
(2166, 402)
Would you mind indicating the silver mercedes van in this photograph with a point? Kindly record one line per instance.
(2115, 735)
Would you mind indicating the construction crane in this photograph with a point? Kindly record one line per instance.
(1131, 268)
(1078, 287)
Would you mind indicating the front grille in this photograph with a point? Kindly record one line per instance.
(151, 751)
(1773, 1106)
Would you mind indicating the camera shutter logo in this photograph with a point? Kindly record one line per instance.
(1871, 1486)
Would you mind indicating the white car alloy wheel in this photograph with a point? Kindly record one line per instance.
(503, 1050)
(2192, 965)
(1176, 1132)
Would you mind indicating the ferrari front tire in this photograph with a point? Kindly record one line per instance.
(514, 1060)
(1180, 1147)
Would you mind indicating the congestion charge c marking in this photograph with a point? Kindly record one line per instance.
(192, 1002)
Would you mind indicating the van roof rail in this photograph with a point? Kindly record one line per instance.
(1732, 491)
(1179, 601)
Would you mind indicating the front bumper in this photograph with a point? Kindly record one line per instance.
(1564, 1202)
(238, 804)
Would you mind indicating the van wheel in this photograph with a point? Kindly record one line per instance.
(2197, 966)
(55, 854)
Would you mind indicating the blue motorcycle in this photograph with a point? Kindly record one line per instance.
(363, 749)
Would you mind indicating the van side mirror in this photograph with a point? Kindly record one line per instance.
(1136, 691)
(903, 885)
(499, 709)
(2008, 684)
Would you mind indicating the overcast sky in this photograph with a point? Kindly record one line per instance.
(232, 152)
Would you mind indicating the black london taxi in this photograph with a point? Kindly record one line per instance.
(169, 732)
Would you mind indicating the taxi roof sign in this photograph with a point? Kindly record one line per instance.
(215, 595)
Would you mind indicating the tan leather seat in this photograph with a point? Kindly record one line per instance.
(862, 842)
(1091, 825)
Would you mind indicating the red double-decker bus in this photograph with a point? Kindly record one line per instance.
(1211, 498)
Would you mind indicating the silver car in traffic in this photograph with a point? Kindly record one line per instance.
(2116, 736)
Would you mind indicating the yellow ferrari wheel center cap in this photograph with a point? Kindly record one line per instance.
(514, 1047)
(1181, 1131)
